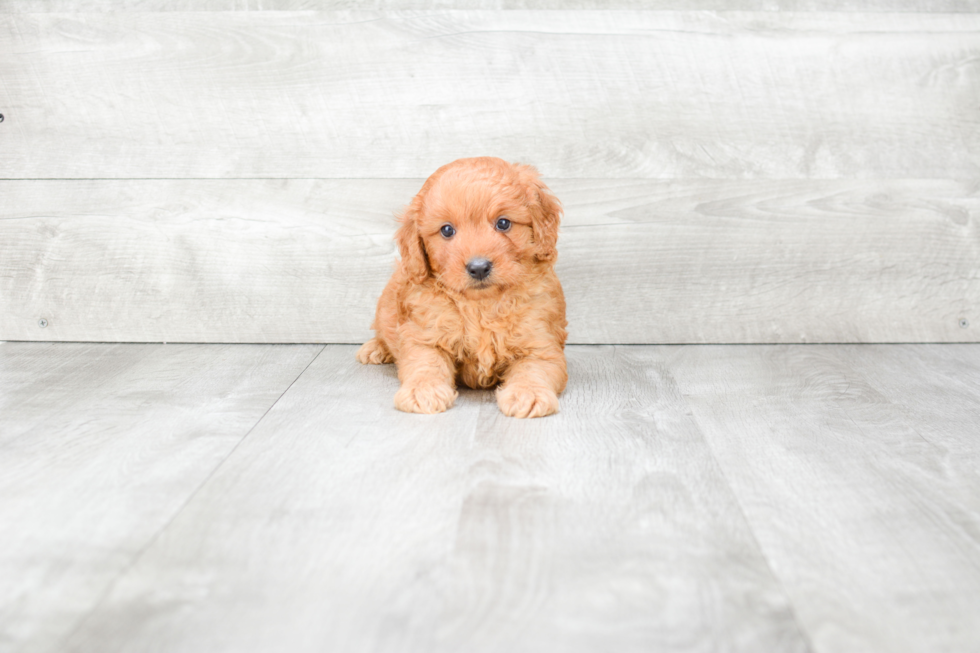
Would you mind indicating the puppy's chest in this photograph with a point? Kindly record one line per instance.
(487, 343)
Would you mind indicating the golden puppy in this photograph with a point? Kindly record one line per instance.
(475, 298)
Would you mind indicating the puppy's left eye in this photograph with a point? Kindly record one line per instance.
(503, 224)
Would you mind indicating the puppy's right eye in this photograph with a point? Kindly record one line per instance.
(447, 231)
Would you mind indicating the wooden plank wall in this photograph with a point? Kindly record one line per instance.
(786, 172)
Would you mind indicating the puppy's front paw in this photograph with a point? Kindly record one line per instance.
(373, 352)
(525, 400)
(426, 397)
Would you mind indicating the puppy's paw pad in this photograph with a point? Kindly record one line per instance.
(425, 398)
(373, 352)
(526, 401)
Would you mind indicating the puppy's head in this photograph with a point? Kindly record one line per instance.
(478, 224)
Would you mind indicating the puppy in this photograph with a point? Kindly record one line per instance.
(474, 298)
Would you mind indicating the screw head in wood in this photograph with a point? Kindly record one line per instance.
(42, 323)
(964, 323)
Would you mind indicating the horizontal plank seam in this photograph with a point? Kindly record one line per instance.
(501, 10)
(663, 180)
(570, 343)
(149, 543)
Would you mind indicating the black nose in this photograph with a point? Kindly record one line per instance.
(479, 268)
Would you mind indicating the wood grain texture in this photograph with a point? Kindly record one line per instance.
(869, 522)
(347, 508)
(757, 498)
(936, 388)
(101, 447)
(343, 525)
(641, 261)
(581, 94)
(607, 527)
(78, 6)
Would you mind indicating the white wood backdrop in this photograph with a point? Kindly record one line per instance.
(918, 6)
(581, 94)
(738, 176)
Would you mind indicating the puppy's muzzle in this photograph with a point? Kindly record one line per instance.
(479, 268)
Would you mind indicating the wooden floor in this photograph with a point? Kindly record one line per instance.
(269, 498)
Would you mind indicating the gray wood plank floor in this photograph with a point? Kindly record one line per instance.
(267, 497)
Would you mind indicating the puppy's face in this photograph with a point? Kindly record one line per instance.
(476, 234)
(481, 224)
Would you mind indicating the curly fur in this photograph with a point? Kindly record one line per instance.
(442, 327)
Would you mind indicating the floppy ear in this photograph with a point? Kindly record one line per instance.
(545, 215)
(410, 246)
